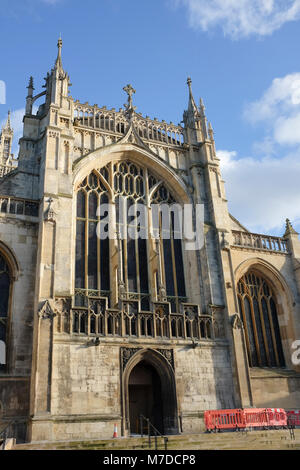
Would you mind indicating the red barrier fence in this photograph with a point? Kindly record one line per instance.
(293, 417)
(266, 418)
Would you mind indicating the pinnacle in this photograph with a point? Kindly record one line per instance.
(30, 85)
(7, 125)
(289, 229)
(58, 62)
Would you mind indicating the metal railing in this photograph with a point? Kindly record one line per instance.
(152, 432)
(5, 433)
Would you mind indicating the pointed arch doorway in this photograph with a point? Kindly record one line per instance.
(149, 390)
(145, 397)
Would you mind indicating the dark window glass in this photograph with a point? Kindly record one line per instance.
(253, 354)
(93, 205)
(143, 265)
(179, 268)
(92, 256)
(104, 262)
(80, 254)
(81, 204)
(168, 267)
(262, 329)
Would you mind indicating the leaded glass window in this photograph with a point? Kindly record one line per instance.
(125, 183)
(92, 253)
(257, 304)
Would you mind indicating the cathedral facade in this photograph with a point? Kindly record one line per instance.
(96, 331)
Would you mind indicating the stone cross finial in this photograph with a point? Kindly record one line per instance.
(129, 90)
(129, 105)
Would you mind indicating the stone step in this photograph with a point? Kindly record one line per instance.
(238, 440)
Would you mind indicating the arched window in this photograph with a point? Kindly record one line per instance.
(129, 187)
(133, 189)
(5, 282)
(257, 304)
(92, 252)
(171, 248)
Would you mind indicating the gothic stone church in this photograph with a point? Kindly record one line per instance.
(98, 331)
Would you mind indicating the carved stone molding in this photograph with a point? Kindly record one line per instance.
(53, 134)
(62, 305)
(46, 311)
(236, 322)
(50, 215)
(168, 355)
(126, 354)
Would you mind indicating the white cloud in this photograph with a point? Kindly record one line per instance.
(281, 98)
(241, 18)
(262, 193)
(278, 110)
(287, 130)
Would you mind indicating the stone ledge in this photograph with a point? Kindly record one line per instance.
(75, 418)
(65, 338)
(272, 373)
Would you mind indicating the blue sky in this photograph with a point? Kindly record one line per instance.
(242, 56)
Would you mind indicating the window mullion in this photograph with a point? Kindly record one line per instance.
(263, 328)
(272, 332)
(246, 330)
(98, 249)
(255, 331)
(86, 241)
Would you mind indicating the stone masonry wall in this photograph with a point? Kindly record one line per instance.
(204, 381)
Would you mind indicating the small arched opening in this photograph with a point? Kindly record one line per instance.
(149, 390)
(145, 397)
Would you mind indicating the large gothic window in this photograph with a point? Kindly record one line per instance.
(171, 249)
(92, 253)
(4, 305)
(257, 304)
(129, 187)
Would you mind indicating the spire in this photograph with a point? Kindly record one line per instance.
(210, 132)
(7, 129)
(58, 63)
(192, 105)
(30, 87)
(7, 125)
(203, 120)
(202, 107)
(289, 230)
(6, 136)
(29, 98)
